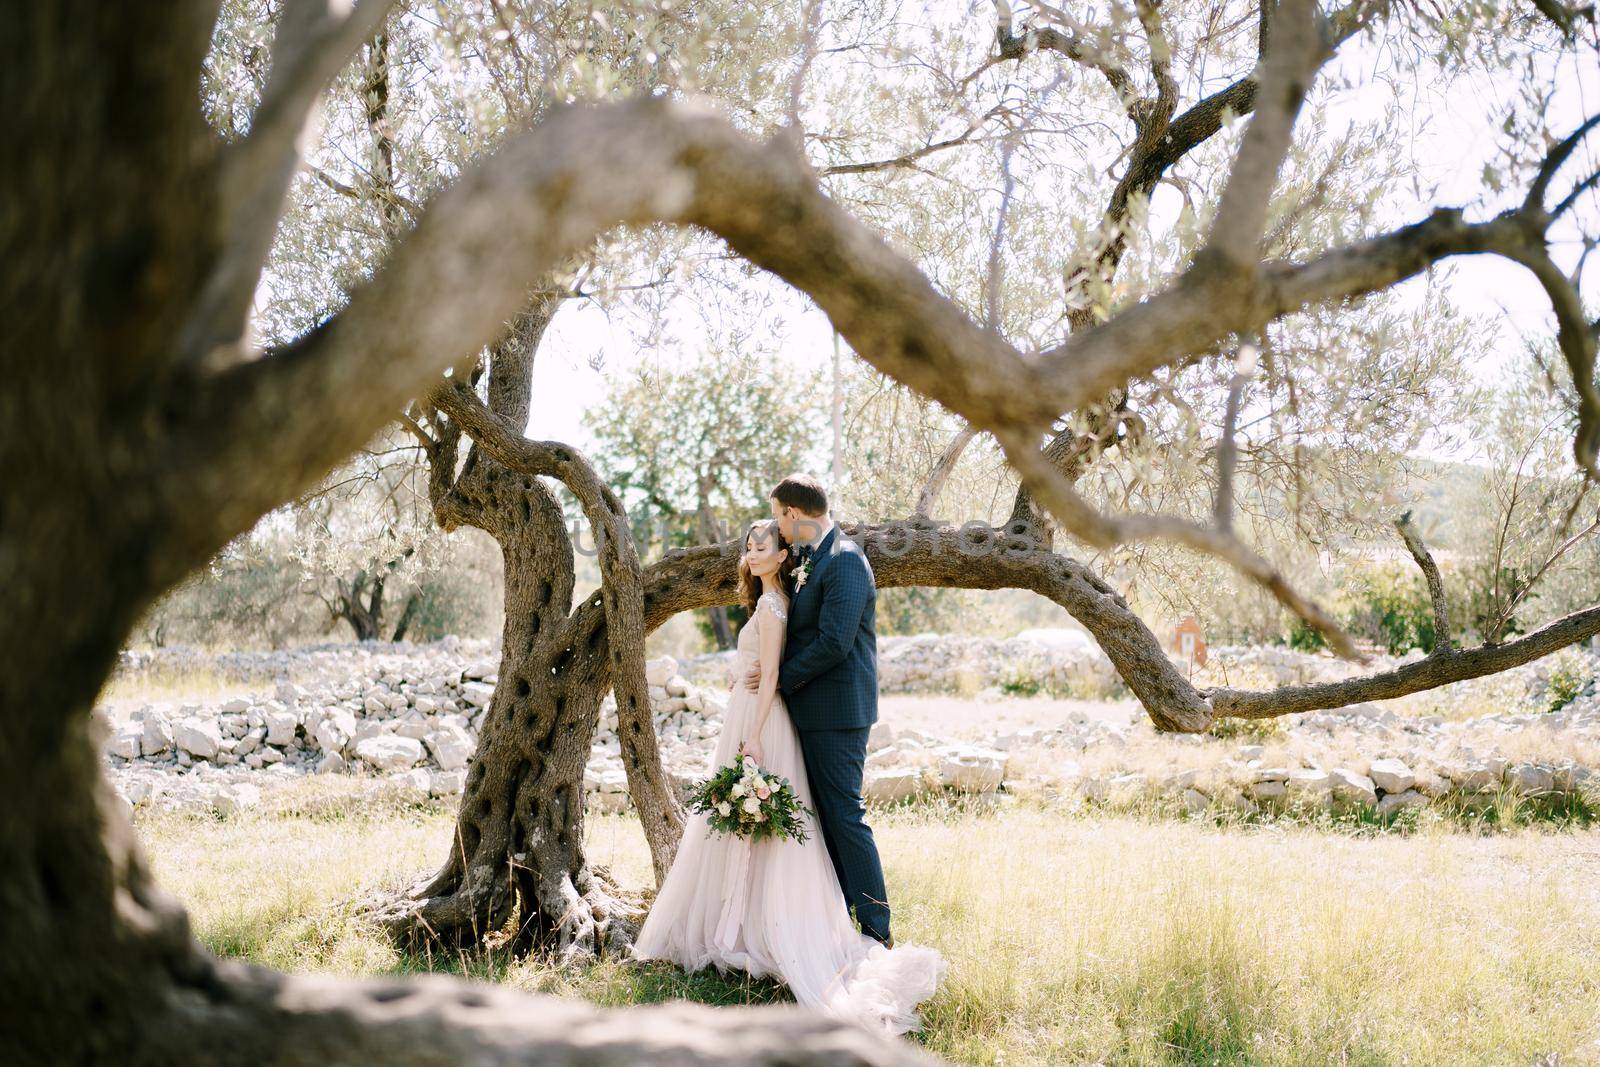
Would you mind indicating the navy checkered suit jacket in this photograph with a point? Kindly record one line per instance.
(829, 676)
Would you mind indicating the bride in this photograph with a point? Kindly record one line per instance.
(773, 908)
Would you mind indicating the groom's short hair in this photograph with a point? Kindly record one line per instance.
(802, 491)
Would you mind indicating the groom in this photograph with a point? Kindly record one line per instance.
(829, 681)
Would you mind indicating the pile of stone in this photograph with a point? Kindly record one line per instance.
(411, 715)
(1362, 756)
(407, 716)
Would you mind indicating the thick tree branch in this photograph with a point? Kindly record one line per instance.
(1158, 145)
(1072, 42)
(463, 271)
(981, 557)
(942, 467)
(1299, 47)
(1430, 573)
(1155, 33)
(919, 552)
(1456, 665)
(432, 1019)
(1244, 367)
(1565, 17)
(314, 40)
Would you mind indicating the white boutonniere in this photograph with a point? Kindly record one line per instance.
(801, 572)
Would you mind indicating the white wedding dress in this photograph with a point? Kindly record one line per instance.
(774, 908)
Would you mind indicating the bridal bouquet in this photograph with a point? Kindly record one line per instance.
(743, 799)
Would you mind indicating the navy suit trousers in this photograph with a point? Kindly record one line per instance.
(835, 762)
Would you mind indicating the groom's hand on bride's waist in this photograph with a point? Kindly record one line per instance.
(752, 678)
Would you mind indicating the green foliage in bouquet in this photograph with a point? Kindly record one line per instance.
(733, 803)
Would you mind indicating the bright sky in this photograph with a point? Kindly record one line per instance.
(1452, 138)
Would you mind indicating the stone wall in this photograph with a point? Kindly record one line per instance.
(408, 716)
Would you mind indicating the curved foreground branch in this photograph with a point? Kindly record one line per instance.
(451, 285)
(440, 1021)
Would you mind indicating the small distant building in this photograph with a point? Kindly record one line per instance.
(1188, 642)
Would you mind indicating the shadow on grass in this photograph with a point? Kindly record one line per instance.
(607, 981)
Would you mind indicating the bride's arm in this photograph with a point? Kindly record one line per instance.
(770, 633)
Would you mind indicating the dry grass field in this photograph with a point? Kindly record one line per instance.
(1072, 937)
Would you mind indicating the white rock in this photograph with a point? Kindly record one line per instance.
(1430, 784)
(1528, 780)
(1181, 779)
(390, 753)
(893, 785)
(157, 733)
(1305, 780)
(1352, 787)
(335, 730)
(281, 727)
(1391, 775)
(452, 747)
(415, 785)
(885, 758)
(198, 737)
(447, 783)
(478, 694)
(1394, 802)
(332, 763)
(1268, 790)
(371, 728)
(1478, 776)
(973, 770)
(233, 799)
(128, 740)
(1194, 800)
(658, 671)
(1572, 778)
(1126, 785)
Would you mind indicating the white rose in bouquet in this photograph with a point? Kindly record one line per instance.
(737, 790)
(752, 805)
(724, 809)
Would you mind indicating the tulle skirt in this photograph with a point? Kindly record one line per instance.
(774, 909)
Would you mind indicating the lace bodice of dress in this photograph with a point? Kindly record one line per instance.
(748, 643)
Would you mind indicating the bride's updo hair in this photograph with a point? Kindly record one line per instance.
(749, 584)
